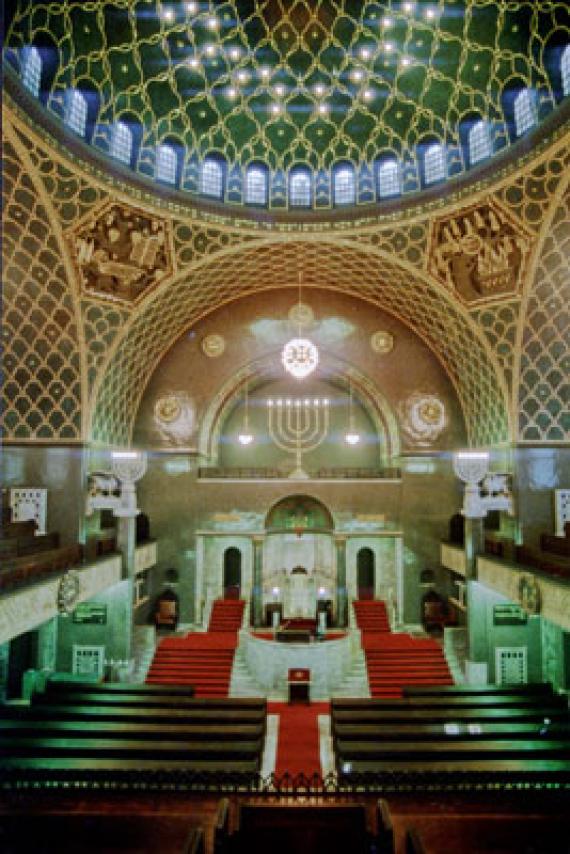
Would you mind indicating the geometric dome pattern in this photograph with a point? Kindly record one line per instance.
(299, 83)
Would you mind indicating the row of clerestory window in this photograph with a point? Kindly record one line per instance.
(478, 146)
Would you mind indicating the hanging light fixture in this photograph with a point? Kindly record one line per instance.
(245, 437)
(300, 356)
(352, 436)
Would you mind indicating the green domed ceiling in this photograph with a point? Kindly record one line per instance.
(301, 82)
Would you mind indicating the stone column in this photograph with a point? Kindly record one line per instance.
(198, 580)
(475, 664)
(341, 593)
(474, 545)
(126, 542)
(399, 558)
(257, 590)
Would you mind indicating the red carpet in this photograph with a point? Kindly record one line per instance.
(397, 660)
(298, 741)
(201, 659)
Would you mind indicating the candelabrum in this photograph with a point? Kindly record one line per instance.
(115, 490)
(484, 491)
(298, 426)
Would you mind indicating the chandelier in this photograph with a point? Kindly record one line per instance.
(300, 356)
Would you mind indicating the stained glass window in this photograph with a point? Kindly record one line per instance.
(389, 183)
(76, 112)
(122, 143)
(32, 70)
(166, 163)
(434, 163)
(344, 186)
(479, 142)
(212, 178)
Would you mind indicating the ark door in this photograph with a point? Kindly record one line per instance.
(232, 573)
(365, 573)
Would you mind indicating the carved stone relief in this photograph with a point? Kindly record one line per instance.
(480, 253)
(122, 252)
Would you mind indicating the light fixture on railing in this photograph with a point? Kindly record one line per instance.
(300, 356)
(352, 436)
(245, 437)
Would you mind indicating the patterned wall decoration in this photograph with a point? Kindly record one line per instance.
(121, 252)
(499, 323)
(339, 266)
(544, 390)
(101, 323)
(422, 418)
(42, 364)
(481, 252)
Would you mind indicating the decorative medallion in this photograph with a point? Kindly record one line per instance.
(174, 417)
(213, 345)
(122, 252)
(382, 342)
(68, 592)
(480, 253)
(301, 314)
(423, 418)
(529, 594)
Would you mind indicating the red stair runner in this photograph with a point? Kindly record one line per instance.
(396, 660)
(298, 748)
(201, 659)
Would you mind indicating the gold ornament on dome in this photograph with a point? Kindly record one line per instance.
(301, 314)
(300, 357)
(382, 342)
(423, 418)
(167, 409)
(213, 346)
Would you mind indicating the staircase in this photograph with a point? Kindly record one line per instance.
(397, 660)
(201, 659)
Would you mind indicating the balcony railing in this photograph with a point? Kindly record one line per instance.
(340, 473)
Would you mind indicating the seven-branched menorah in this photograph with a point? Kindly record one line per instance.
(298, 426)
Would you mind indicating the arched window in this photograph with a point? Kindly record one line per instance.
(212, 178)
(479, 142)
(32, 70)
(524, 112)
(300, 188)
(434, 163)
(344, 185)
(565, 70)
(76, 112)
(166, 164)
(388, 177)
(122, 143)
(256, 186)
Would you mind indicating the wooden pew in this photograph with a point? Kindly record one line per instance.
(17, 746)
(450, 731)
(125, 694)
(542, 689)
(71, 687)
(134, 714)
(95, 834)
(334, 829)
(110, 768)
(54, 728)
(438, 701)
(494, 749)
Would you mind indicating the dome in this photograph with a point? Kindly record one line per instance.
(303, 105)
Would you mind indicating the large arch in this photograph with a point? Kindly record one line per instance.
(330, 264)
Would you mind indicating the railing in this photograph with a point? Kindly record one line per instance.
(340, 473)
(552, 782)
(23, 571)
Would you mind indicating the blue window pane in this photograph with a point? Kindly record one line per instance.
(122, 143)
(389, 179)
(565, 70)
(212, 179)
(76, 113)
(256, 186)
(32, 71)
(434, 164)
(525, 114)
(166, 164)
(300, 189)
(479, 143)
(344, 186)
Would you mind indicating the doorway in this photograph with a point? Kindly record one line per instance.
(232, 573)
(365, 573)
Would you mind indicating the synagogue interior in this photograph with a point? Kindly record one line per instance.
(285, 533)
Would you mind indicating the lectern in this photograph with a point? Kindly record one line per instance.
(299, 685)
